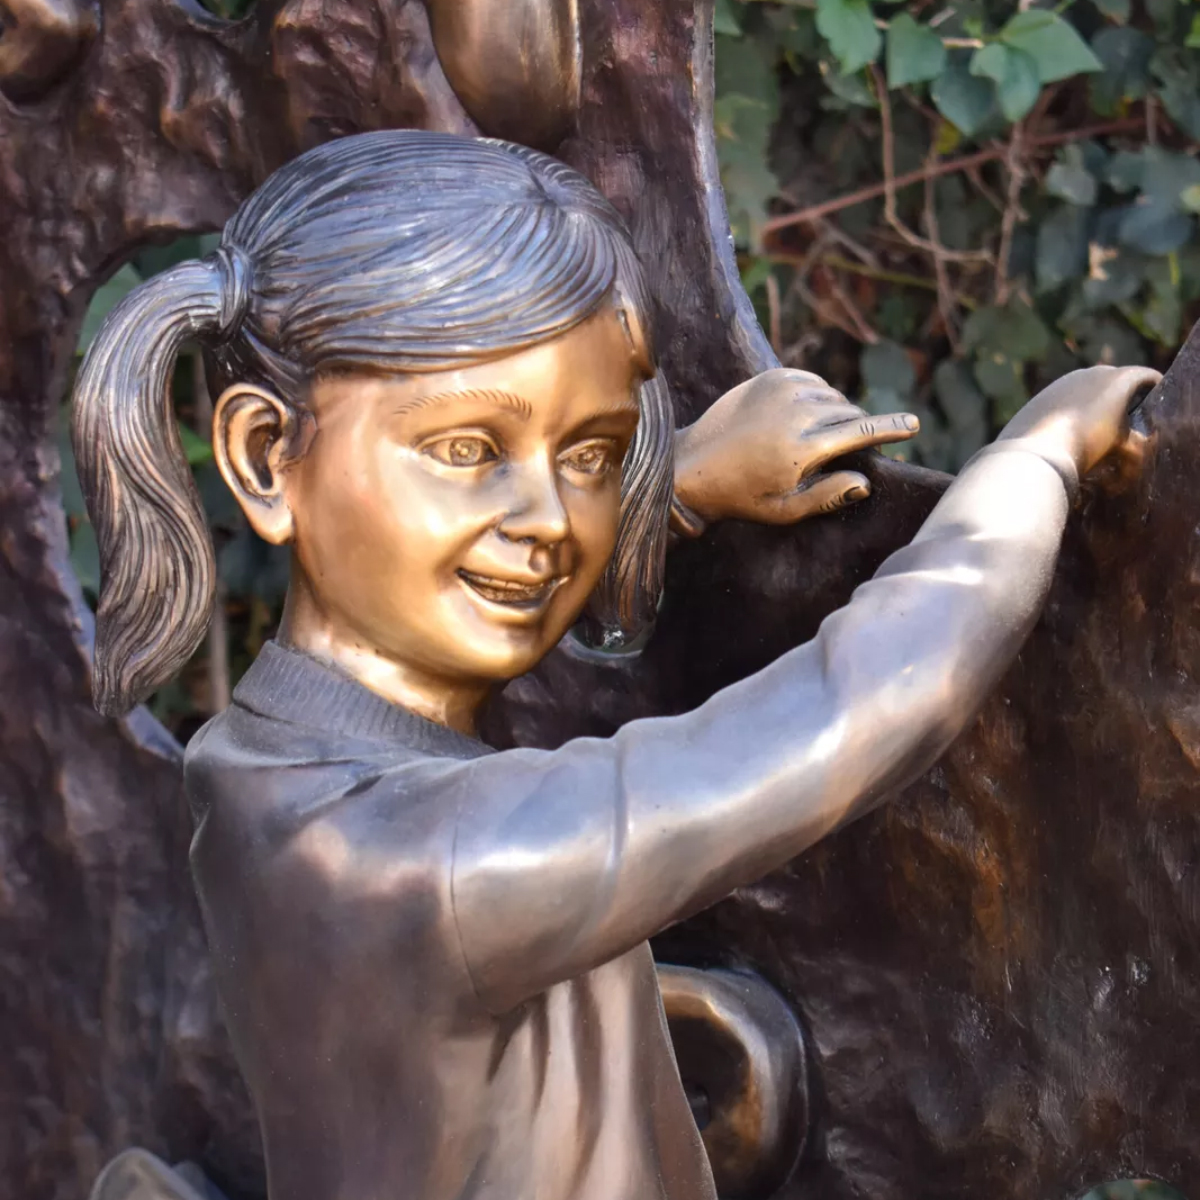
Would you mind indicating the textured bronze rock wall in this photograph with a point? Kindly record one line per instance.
(996, 971)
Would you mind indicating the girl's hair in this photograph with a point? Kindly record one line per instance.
(391, 252)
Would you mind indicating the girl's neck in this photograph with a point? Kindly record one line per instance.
(307, 628)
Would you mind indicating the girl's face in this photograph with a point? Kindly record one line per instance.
(455, 523)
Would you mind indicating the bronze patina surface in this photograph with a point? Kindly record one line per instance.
(995, 969)
(442, 396)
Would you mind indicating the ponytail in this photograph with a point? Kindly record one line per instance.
(157, 568)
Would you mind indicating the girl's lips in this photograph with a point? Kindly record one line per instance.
(509, 591)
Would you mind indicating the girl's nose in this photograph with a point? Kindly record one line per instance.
(536, 513)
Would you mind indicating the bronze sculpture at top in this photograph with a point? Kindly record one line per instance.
(438, 386)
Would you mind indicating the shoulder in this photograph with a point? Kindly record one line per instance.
(307, 835)
(281, 797)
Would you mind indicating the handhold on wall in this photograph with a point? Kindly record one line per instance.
(742, 1059)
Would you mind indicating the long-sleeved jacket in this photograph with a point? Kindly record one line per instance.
(433, 958)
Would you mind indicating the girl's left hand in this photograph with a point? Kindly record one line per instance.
(757, 453)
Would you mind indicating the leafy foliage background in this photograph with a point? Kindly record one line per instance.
(943, 206)
(938, 206)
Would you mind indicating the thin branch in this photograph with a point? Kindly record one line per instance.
(865, 332)
(838, 234)
(1015, 166)
(825, 313)
(975, 176)
(947, 304)
(889, 183)
(774, 322)
(949, 166)
(881, 275)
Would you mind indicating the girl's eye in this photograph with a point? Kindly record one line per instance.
(592, 458)
(463, 451)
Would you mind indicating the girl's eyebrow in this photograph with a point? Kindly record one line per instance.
(503, 399)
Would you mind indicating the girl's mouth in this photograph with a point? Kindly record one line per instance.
(510, 592)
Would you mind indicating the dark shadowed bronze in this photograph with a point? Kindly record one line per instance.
(745, 1070)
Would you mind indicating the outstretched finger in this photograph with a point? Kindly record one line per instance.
(825, 495)
(859, 433)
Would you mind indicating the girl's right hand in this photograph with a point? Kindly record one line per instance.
(1084, 415)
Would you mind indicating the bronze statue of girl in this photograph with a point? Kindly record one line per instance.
(439, 388)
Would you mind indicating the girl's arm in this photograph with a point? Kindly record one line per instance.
(566, 859)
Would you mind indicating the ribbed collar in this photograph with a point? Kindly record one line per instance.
(289, 685)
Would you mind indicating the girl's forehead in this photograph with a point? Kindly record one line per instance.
(592, 363)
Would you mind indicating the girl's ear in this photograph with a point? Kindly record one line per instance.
(256, 435)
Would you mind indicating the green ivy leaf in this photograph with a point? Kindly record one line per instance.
(852, 90)
(1062, 247)
(755, 272)
(1013, 330)
(1179, 87)
(965, 100)
(196, 450)
(104, 299)
(1053, 44)
(68, 478)
(1167, 175)
(151, 260)
(1117, 276)
(1015, 74)
(1192, 41)
(964, 407)
(1002, 379)
(1126, 55)
(1070, 180)
(886, 367)
(725, 20)
(795, 32)
(915, 54)
(1125, 169)
(1159, 222)
(1163, 13)
(1115, 10)
(1154, 230)
(85, 557)
(744, 113)
(745, 67)
(849, 28)
(1107, 340)
(1161, 319)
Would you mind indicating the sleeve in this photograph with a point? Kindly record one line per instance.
(565, 859)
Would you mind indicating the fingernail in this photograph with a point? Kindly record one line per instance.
(857, 492)
(911, 422)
